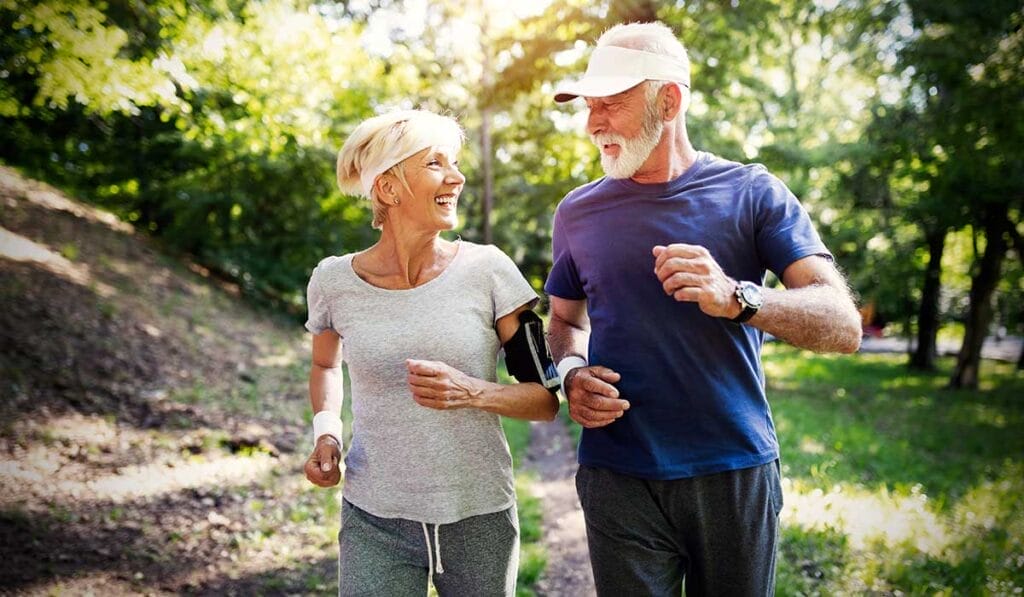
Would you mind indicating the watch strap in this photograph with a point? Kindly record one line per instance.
(748, 309)
(744, 315)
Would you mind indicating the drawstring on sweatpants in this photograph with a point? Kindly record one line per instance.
(436, 553)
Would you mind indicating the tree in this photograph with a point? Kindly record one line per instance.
(969, 60)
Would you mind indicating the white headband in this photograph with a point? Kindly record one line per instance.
(368, 177)
(612, 70)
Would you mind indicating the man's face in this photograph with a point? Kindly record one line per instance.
(625, 127)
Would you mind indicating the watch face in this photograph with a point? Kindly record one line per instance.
(751, 295)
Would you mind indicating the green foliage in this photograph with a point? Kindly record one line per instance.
(235, 165)
(942, 149)
(71, 52)
(213, 124)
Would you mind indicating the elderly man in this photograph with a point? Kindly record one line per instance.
(658, 317)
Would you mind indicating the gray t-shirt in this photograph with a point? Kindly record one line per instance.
(406, 460)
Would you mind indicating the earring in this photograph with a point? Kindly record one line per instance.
(396, 201)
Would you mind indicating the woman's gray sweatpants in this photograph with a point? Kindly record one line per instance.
(392, 557)
(718, 531)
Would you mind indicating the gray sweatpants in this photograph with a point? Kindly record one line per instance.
(394, 557)
(719, 532)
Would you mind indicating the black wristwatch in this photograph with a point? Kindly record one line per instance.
(750, 298)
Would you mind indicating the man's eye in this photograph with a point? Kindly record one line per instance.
(433, 163)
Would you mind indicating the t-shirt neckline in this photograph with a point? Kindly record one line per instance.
(667, 186)
(451, 264)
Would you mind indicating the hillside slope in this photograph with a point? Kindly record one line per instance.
(153, 433)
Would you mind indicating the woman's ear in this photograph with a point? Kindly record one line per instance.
(386, 190)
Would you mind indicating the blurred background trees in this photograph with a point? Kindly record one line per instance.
(213, 125)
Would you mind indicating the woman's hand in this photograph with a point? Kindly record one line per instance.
(323, 467)
(437, 385)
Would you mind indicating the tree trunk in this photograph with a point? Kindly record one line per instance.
(923, 357)
(487, 172)
(980, 311)
(1018, 246)
(486, 162)
(633, 11)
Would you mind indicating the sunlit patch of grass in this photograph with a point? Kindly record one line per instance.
(894, 483)
(855, 541)
(866, 517)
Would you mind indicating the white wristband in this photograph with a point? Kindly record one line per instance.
(568, 364)
(326, 422)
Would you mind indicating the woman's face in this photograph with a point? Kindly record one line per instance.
(435, 184)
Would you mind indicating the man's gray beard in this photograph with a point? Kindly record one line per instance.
(633, 152)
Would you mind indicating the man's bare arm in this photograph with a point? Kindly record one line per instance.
(815, 311)
(592, 397)
(569, 329)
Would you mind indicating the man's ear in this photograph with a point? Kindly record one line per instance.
(674, 98)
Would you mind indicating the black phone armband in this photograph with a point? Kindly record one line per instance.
(527, 355)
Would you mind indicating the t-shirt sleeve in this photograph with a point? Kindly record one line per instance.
(784, 231)
(319, 318)
(564, 279)
(509, 290)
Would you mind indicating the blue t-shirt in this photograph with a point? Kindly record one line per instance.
(694, 382)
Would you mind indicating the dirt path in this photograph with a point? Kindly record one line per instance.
(552, 456)
(150, 440)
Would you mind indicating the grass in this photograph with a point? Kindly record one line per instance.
(325, 506)
(894, 484)
(532, 556)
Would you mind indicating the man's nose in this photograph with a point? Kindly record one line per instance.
(596, 122)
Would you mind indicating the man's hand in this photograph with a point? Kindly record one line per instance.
(593, 401)
(440, 386)
(689, 273)
(323, 466)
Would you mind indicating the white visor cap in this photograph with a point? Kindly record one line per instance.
(613, 70)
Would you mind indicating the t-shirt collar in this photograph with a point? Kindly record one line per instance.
(662, 187)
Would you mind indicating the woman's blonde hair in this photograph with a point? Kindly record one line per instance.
(380, 144)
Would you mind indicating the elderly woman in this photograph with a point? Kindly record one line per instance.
(428, 490)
